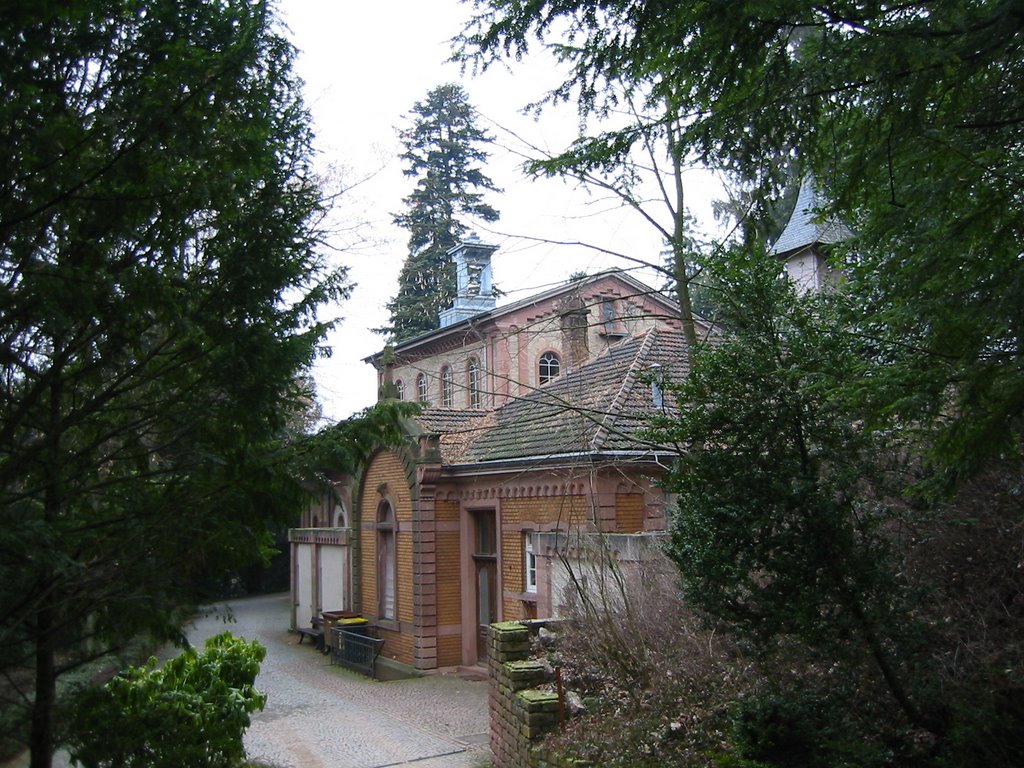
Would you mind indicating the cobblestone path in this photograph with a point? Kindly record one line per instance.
(322, 715)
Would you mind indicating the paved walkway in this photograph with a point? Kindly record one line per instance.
(323, 715)
(318, 715)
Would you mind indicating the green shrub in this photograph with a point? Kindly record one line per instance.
(801, 728)
(192, 711)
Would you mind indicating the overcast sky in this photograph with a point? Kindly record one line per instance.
(365, 64)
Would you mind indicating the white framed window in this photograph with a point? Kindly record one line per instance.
(400, 386)
(548, 367)
(529, 562)
(447, 386)
(421, 388)
(473, 374)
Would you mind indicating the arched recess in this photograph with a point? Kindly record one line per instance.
(387, 576)
(341, 516)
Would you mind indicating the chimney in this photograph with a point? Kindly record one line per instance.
(388, 390)
(474, 293)
(573, 315)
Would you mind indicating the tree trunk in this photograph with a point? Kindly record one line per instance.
(680, 255)
(41, 738)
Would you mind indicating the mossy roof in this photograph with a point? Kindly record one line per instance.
(600, 406)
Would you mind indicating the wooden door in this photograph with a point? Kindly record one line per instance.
(485, 564)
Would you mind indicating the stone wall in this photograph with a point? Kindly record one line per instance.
(523, 701)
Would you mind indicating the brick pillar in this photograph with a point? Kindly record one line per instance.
(424, 576)
(520, 714)
(573, 315)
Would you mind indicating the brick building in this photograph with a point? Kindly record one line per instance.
(530, 433)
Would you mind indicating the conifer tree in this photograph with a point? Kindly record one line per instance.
(443, 151)
(161, 270)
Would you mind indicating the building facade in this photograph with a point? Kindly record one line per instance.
(530, 438)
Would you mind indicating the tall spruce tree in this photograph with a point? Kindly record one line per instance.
(444, 151)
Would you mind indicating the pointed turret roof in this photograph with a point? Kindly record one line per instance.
(806, 226)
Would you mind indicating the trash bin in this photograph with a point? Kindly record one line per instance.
(346, 620)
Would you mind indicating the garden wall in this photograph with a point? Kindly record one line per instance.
(523, 700)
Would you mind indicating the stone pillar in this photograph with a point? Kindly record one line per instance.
(520, 713)
(424, 573)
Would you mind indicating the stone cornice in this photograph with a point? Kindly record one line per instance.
(335, 536)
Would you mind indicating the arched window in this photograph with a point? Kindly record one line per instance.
(549, 367)
(473, 374)
(385, 561)
(421, 388)
(447, 386)
(400, 386)
(611, 322)
(340, 515)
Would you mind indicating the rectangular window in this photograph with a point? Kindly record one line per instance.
(486, 534)
(386, 586)
(611, 322)
(530, 562)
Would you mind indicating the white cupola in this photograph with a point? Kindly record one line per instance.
(474, 293)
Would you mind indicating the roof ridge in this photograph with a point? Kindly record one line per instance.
(620, 397)
(536, 298)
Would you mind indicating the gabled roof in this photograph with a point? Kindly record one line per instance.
(411, 346)
(806, 227)
(601, 406)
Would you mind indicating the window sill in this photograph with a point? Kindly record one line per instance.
(526, 597)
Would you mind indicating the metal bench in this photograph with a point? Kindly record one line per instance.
(356, 651)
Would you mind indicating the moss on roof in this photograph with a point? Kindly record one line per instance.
(603, 405)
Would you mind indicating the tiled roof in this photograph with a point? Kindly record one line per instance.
(805, 226)
(600, 406)
(457, 429)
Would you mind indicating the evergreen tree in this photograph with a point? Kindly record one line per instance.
(160, 277)
(855, 464)
(443, 151)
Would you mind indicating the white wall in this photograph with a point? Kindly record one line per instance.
(304, 580)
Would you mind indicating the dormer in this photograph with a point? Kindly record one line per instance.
(474, 292)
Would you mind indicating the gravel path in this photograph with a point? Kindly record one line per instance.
(322, 715)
